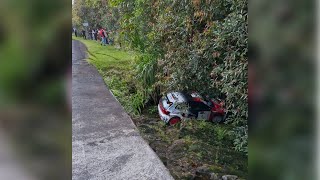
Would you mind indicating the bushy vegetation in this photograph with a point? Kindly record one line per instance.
(196, 45)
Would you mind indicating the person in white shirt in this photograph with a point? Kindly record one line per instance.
(93, 36)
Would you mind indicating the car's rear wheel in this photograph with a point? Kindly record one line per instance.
(174, 121)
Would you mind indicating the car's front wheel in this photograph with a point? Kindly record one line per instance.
(174, 121)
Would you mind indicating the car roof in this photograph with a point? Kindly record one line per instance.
(178, 97)
(199, 106)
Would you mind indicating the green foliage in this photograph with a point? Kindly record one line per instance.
(220, 133)
(153, 110)
(117, 85)
(137, 102)
(146, 69)
(241, 139)
(96, 12)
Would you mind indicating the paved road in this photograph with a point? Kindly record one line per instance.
(105, 142)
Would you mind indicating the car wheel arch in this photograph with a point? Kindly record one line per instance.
(176, 121)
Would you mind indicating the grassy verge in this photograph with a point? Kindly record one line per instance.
(182, 148)
(116, 68)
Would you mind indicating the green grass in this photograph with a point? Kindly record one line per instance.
(107, 57)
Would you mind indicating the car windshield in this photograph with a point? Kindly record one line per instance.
(165, 102)
(182, 106)
(198, 106)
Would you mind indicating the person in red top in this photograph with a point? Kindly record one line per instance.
(103, 37)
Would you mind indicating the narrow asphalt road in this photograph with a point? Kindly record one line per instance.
(105, 142)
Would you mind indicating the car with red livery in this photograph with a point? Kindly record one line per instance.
(176, 106)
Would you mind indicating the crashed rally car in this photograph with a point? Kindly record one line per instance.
(175, 106)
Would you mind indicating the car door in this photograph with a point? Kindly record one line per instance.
(203, 115)
(200, 109)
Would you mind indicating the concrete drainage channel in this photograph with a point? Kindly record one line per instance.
(105, 142)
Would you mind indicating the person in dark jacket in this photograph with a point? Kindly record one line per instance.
(84, 34)
(75, 32)
(96, 35)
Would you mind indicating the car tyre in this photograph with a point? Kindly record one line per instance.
(174, 121)
(217, 119)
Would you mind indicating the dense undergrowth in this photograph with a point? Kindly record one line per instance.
(184, 147)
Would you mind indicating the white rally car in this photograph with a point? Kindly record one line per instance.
(175, 106)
